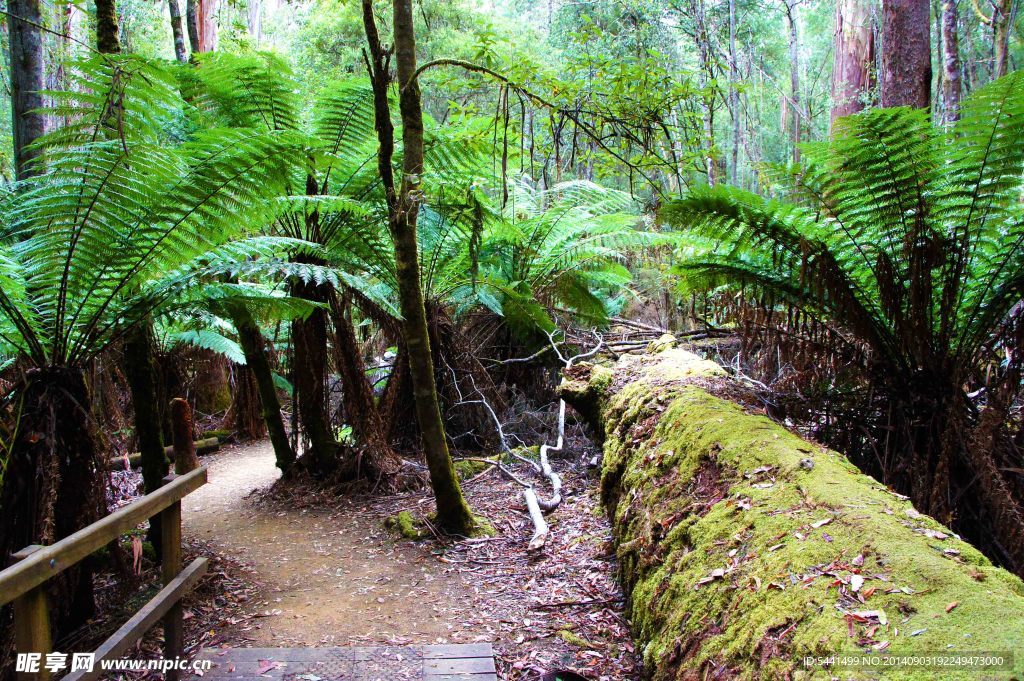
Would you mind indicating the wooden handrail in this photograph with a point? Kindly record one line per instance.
(44, 563)
(24, 583)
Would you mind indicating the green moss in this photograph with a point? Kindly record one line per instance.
(467, 469)
(735, 553)
(221, 434)
(574, 639)
(666, 341)
(532, 453)
(404, 524)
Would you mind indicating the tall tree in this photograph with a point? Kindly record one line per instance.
(200, 18)
(254, 20)
(796, 120)
(108, 33)
(705, 75)
(179, 38)
(24, 20)
(453, 513)
(734, 95)
(853, 57)
(950, 62)
(906, 77)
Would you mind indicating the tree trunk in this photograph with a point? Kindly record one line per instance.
(309, 362)
(256, 359)
(950, 62)
(179, 39)
(734, 96)
(27, 80)
(108, 34)
(378, 461)
(1002, 24)
(906, 77)
(205, 22)
(185, 459)
(192, 25)
(245, 417)
(853, 59)
(53, 485)
(254, 20)
(453, 514)
(140, 370)
(796, 121)
(705, 76)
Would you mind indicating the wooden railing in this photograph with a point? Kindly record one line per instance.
(24, 583)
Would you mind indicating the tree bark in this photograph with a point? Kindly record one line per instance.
(254, 20)
(179, 39)
(53, 485)
(27, 80)
(906, 77)
(185, 459)
(140, 370)
(309, 365)
(796, 121)
(951, 87)
(705, 77)
(108, 34)
(453, 514)
(1002, 23)
(378, 461)
(254, 347)
(192, 25)
(853, 58)
(734, 96)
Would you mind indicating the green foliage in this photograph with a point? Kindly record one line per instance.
(123, 221)
(907, 236)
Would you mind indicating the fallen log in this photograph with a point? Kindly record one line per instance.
(204, 446)
(746, 551)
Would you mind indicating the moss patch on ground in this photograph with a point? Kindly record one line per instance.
(744, 548)
(405, 525)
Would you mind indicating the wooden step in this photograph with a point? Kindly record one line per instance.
(472, 662)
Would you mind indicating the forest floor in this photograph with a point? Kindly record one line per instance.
(301, 568)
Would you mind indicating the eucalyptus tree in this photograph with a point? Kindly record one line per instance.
(120, 225)
(906, 249)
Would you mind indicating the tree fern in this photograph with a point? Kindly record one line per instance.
(906, 241)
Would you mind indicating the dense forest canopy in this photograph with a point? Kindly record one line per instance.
(376, 234)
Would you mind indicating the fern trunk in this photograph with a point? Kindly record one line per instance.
(253, 346)
(309, 365)
(245, 417)
(377, 460)
(140, 370)
(53, 483)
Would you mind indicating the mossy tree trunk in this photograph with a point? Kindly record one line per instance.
(254, 347)
(453, 514)
(744, 548)
(108, 33)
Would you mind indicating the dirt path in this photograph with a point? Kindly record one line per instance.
(328, 577)
(324, 571)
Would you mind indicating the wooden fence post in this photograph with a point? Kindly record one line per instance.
(32, 622)
(170, 542)
(185, 459)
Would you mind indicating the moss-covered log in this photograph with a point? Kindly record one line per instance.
(744, 548)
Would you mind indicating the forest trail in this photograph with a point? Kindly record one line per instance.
(326, 576)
